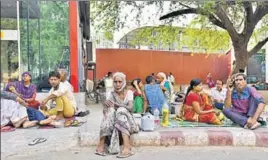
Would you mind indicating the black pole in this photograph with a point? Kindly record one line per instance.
(28, 37)
(39, 48)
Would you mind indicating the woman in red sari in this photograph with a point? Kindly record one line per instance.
(194, 107)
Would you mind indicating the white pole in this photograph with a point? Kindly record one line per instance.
(18, 35)
(266, 64)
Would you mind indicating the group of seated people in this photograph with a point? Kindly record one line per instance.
(20, 108)
(239, 102)
(118, 122)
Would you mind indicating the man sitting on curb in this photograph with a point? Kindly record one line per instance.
(243, 105)
(218, 94)
(62, 95)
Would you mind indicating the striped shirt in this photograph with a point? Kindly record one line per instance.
(241, 101)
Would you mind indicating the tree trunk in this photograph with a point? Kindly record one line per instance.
(241, 58)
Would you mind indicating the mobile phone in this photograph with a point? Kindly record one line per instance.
(233, 83)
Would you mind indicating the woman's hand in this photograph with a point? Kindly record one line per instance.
(21, 101)
(44, 102)
(12, 89)
(108, 103)
(27, 100)
(43, 107)
(116, 105)
(162, 88)
(135, 83)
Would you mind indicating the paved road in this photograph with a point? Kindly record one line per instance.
(154, 153)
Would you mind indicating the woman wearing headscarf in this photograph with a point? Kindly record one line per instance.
(165, 85)
(25, 90)
(195, 105)
(117, 119)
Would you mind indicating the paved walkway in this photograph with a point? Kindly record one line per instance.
(195, 136)
(15, 143)
(156, 153)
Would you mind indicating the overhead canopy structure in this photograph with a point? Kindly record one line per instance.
(84, 18)
(9, 9)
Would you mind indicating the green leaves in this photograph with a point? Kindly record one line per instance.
(54, 25)
(202, 31)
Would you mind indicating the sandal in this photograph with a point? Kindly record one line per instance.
(126, 155)
(83, 114)
(7, 129)
(76, 123)
(100, 153)
(36, 141)
(68, 123)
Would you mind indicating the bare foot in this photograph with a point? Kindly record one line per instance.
(56, 124)
(28, 124)
(53, 117)
(18, 123)
(100, 148)
(255, 126)
(59, 118)
(126, 151)
(46, 121)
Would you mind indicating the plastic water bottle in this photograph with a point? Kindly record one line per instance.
(165, 115)
(156, 117)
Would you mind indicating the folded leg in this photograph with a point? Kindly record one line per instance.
(236, 117)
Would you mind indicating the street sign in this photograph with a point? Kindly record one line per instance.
(9, 35)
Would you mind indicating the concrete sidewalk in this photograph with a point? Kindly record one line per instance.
(14, 143)
(196, 136)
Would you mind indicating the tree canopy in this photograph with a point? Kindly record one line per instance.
(244, 22)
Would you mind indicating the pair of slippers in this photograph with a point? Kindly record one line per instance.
(37, 141)
(72, 123)
(120, 155)
(83, 114)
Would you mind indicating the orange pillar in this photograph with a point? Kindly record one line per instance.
(73, 38)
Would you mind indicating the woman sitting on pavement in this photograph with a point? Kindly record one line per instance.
(20, 115)
(25, 90)
(165, 85)
(13, 111)
(154, 94)
(194, 107)
(117, 119)
(140, 101)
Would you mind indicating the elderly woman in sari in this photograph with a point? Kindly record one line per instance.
(25, 90)
(13, 111)
(117, 119)
(165, 85)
